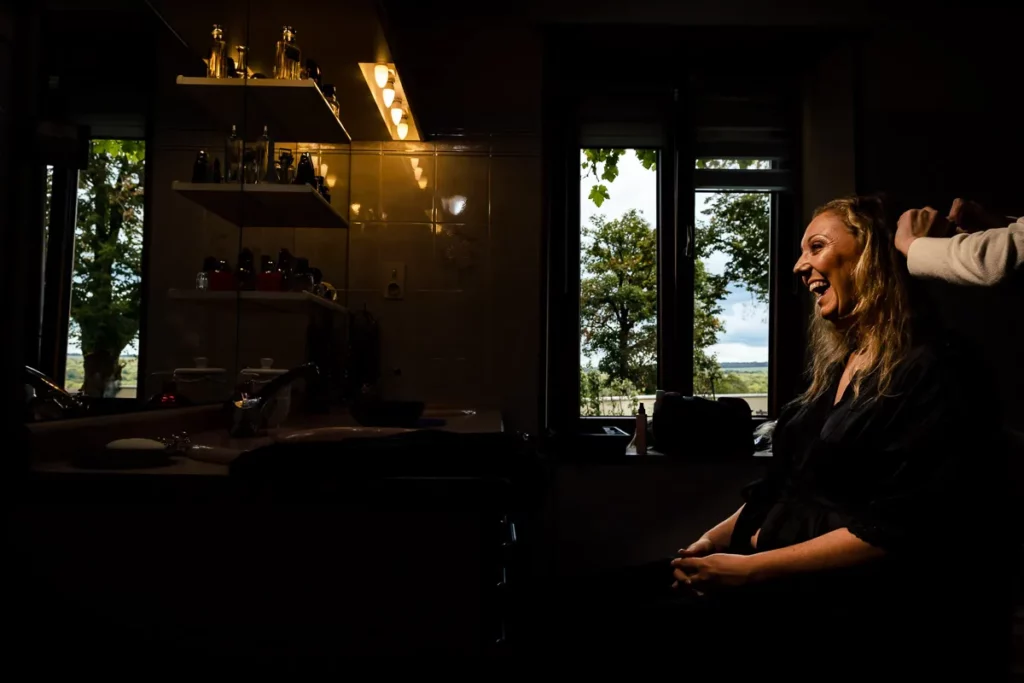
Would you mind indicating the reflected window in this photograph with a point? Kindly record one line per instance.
(106, 296)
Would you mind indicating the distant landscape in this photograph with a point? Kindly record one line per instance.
(75, 373)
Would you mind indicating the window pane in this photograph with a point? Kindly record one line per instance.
(106, 281)
(618, 280)
(734, 164)
(731, 296)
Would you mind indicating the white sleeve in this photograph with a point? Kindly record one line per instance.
(982, 258)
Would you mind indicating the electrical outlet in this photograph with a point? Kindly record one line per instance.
(394, 279)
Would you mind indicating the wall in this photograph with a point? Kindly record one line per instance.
(467, 331)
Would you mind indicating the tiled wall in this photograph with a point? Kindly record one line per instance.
(467, 227)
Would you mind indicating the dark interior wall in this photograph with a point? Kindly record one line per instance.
(941, 112)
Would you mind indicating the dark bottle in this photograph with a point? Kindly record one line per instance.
(302, 278)
(201, 168)
(287, 172)
(304, 173)
(285, 266)
(221, 279)
(246, 270)
(314, 73)
(269, 279)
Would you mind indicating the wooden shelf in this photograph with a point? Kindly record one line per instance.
(286, 301)
(292, 110)
(265, 205)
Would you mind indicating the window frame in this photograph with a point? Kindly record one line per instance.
(678, 181)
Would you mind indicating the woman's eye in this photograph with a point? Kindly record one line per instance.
(816, 247)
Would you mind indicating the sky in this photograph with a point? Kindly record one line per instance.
(745, 339)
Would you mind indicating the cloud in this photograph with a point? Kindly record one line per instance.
(739, 353)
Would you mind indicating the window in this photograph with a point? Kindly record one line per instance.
(103, 329)
(618, 280)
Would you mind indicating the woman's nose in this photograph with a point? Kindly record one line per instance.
(801, 265)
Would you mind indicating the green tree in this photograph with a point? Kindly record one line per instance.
(618, 297)
(737, 224)
(106, 286)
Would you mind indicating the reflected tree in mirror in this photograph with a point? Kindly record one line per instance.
(106, 283)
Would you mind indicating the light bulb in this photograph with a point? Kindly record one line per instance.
(403, 127)
(389, 93)
(423, 183)
(355, 209)
(323, 170)
(414, 162)
(397, 111)
(418, 172)
(330, 180)
(380, 74)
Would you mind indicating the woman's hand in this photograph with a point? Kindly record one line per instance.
(699, 548)
(720, 569)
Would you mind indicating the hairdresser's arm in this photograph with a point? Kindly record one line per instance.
(834, 550)
(982, 258)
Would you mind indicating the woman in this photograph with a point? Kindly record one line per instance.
(862, 531)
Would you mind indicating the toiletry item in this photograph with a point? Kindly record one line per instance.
(288, 56)
(259, 152)
(242, 63)
(246, 270)
(201, 168)
(315, 74)
(202, 281)
(233, 151)
(216, 66)
(250, 167)
(287, 174)
(302, 278)
(221, 279)
(640, 438)
(271, 173)
(269, 278)
(331, 95)
(216, 176)
(304, 173)
(285, 265)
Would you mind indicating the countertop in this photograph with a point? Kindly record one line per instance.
(213, 450)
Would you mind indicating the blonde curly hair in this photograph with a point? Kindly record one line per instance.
(881, 329)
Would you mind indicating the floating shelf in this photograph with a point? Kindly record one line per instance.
(265, 205)
(292, 110)
(286, 301)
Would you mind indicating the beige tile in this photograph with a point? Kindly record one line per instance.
(462, 188)
(462, 256)
(365, 146)
(411, 147)
(405, 198)
(413, 245)
(326, 250)
(365, 188)
(338, 177)
(516, 189)
(363, 250)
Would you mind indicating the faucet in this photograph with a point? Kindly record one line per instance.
(250, 414)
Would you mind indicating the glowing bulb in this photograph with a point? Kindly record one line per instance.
(423, 183)
(414, 162)
(323, 170)
(397, 111)
(403, 127)
(456, 204)
(330, 180)
(380, 74)
(389, 93)
(355, 209)
(418, 172)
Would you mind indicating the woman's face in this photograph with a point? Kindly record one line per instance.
(829, 253)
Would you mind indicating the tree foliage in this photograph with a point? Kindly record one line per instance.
(618, 297)
(618, 293)
(106, 286)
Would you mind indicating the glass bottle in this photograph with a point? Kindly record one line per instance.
(304, 173)
(286, 62)
(201, 168)
(295, 53)
(233, 151)
(331, 95)
(260, 157)
(216, 67)
(242, 63)
(287, 172)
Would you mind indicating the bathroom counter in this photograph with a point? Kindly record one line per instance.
(213, 449)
